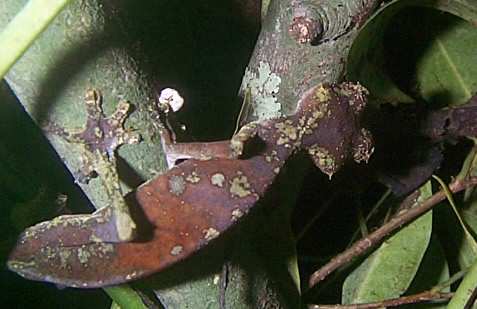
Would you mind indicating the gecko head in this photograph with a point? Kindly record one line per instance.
(320, 96)
(330, 115)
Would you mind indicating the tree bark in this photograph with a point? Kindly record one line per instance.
(82, 49)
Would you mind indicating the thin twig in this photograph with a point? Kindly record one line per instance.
(315, 217)
(454, 278)
(375, 237)
(410, 299)
(370, 214)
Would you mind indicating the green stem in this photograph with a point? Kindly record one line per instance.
(25, 28)
(465, 289)
(125, 297)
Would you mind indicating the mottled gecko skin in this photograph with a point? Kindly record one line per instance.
(196, 201)
(97, 140)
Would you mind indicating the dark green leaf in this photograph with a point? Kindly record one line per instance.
(438, 58)
(388, 272)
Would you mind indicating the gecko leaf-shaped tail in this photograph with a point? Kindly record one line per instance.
(188, 207)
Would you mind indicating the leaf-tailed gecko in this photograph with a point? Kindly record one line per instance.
(197, 200)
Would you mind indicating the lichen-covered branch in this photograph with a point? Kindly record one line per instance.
(302, 43)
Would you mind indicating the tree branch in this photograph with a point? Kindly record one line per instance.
(393, 302)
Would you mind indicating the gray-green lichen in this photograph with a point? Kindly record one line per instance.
(83, 255)
(323, 159)
(210, 233)
(264, 85)
(64, 256)
(237, 214)
(177, 184)
(217, 179)
(193, 177)
(239, 186)
(177, 250)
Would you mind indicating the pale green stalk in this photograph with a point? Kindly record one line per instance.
(465, 289)
(469, 283)
(124, 296)
(450, 198)
(25, 28)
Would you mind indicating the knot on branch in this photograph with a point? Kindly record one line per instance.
(312, 24)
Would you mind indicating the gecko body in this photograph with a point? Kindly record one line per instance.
(197, 200)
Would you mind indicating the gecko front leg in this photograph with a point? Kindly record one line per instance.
(162, 115)
(238, 141)
(98, 141)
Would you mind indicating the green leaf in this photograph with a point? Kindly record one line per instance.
(452, 236)
(125, 297)
(366, 59)
(468, 236)
(446, 69)
(433, 270)
(388, 272)
(466, 256)
(439, 57)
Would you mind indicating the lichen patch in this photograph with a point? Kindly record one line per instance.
(322, 94)
(83, 255)
(131, 275)
(64, 256)
(323, 159)
(204, 157)
(217, 179)
(210, 233)
(104, 249)
(264, 85)
(287, 128)
(177, 250)
(236, 214)
(193, 177)
(239, 186)
(363, 148)
(177, 184)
